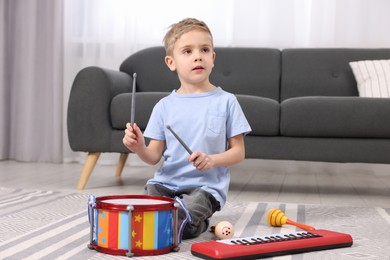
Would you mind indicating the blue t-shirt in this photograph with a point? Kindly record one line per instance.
(204, 122)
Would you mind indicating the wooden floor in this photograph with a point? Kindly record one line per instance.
(366, 185)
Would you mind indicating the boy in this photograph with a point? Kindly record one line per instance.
(208, 119)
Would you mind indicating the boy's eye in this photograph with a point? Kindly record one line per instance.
(187, 51)
(205, 49)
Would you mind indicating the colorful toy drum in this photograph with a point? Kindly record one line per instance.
(133, 225)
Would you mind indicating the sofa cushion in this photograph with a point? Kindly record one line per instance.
(261, 113)
(248, 71)
(335, 117)
(153, 75)
(120, 108)
(372, 77)
(322, 72)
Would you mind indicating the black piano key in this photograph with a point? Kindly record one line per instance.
(281, 238)
(261, 241)
(257, 240)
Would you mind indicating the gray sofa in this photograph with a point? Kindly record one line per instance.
(302, 104)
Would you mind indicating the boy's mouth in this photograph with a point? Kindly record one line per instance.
(198, 68)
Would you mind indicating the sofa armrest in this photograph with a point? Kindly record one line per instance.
(88, 118)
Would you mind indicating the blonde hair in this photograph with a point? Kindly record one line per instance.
(178, 29)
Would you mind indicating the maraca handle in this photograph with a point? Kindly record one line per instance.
(300, 225)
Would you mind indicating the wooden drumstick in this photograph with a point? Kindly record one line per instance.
(179, 139)
(277, 218)
(132, 116)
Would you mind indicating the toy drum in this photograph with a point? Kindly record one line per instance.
(133, 225)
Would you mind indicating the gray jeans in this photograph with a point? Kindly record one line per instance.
(199, 203)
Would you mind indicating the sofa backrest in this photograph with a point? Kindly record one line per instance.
(322, 72)
(247, 71)
(152, 73)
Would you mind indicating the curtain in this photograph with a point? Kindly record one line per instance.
(44, 43)
(31, 81)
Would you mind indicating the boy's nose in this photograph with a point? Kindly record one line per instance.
(198, 56)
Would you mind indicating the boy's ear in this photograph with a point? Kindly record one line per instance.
(170, 63)
(214, 55)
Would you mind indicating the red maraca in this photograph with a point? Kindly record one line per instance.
(277, 218)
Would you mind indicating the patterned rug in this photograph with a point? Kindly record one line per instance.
(54, 225)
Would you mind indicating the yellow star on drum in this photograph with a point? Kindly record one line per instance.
(138, 243)
(138, 218)
(133, 234)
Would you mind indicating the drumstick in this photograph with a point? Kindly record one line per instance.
(133, 101)
(179, 139)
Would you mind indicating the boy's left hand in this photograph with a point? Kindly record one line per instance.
(201, 161)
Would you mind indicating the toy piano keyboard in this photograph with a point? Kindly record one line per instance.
(271, 245)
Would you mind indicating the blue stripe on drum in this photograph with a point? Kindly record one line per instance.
(156, 229)
(164, 237)
(123, 230)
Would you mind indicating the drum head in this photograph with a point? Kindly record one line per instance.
(134, 202)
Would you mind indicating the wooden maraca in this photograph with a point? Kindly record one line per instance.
(223, 230)
(277, 218)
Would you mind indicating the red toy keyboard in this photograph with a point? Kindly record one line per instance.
(271, 245)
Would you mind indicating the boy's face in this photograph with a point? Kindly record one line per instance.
(193, 58)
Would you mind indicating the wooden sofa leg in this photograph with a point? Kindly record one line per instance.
(121, 164)
(89, 164)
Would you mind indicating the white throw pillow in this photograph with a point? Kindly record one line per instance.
(372, 77)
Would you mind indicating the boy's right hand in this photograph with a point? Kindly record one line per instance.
(133, 139)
